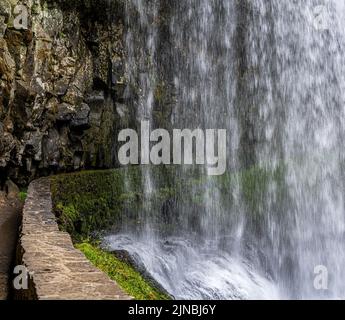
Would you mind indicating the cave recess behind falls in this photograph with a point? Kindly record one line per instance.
(273, 76)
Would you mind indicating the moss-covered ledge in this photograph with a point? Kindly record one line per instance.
(86, 203)
(58, 271)
(90, 201)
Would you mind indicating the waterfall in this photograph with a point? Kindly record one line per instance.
(272, 73)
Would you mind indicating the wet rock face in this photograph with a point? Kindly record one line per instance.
(60, 82)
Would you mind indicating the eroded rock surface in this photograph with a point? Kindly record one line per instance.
(60, 82)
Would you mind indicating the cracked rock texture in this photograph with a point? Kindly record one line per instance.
(62, 87)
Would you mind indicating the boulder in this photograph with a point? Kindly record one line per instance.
(81, 117)
(66, 112)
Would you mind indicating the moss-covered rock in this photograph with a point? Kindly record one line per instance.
(90, 201)
(125, 275)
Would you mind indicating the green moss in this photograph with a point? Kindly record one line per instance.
(23, 195)
(90, 200)
(126, 277)
(68, 216)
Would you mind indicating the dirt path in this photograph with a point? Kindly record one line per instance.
(10, 209)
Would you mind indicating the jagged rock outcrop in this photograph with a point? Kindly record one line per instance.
(62, 87)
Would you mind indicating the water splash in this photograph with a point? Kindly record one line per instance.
(188, 271)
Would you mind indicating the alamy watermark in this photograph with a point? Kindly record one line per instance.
(321, 278)
(21, 280)
(185, 147)
(20, 14)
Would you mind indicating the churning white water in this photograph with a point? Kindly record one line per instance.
(189, 271)
(272, 73)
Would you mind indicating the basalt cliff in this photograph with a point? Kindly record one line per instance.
(62, 86)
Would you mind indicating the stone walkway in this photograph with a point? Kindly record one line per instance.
(9, 219)
(58, 271)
